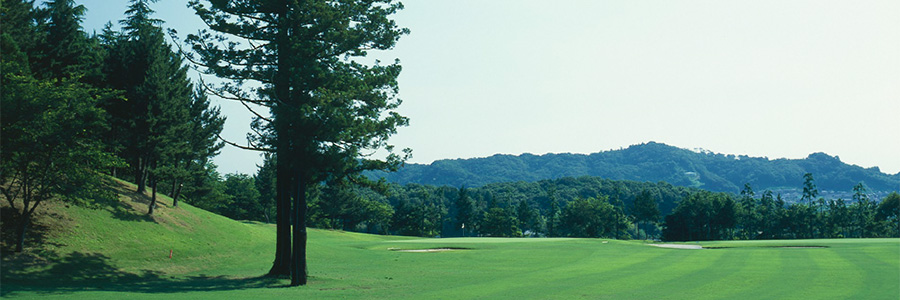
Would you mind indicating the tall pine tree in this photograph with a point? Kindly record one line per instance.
(328, 113)
(159, 129)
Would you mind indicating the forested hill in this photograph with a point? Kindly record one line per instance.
(651, 162)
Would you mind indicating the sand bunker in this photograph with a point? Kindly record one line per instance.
(426, 250)
(677, 246)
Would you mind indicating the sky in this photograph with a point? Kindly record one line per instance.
(776, 79)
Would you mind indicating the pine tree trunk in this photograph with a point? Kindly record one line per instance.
(283, 182)
(177, 193)
(281, 265)
(153, 195)
(141, 175)
(174, 187)
(298, 259)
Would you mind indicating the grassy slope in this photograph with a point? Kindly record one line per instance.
(117, 252)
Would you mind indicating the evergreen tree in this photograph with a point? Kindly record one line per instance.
(810, 192)
(646, 210)
(65, 51)
(243, 202)
(748, 216)
(163, 130)
(327, 112)
(864, 210)
(465, 210)
(265, 184)
(527, 217)
(499, 222)
(20, 36)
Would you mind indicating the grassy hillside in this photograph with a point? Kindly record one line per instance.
(117, 246)
(117, 252)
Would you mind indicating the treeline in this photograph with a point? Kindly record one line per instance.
(718, 216)
(591, 207)
(78, 107)
(584, 206)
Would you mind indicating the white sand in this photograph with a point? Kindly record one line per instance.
(423, 250)
(677, 246)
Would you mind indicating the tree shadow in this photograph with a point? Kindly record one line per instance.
(79, 271)
(121, 210)
(38, 233)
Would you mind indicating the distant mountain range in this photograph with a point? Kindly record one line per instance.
(653, 162)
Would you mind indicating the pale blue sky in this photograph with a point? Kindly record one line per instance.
(760, 78)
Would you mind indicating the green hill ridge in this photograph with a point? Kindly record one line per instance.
(651, 162)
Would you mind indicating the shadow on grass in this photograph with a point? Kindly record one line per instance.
(38, 233)
(121, 210)
(79, 271)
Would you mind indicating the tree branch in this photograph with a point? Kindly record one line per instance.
(255, 113)
(244, 147)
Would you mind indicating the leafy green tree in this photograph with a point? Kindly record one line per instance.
(327, 111)
(588, 217)
(527, 217)
(701, 216)
(465, 210)
(767, 212)
(838, 219)
(243, 202)
(341, 206)
(553, 213)
(499, 222)
(379, 216)
(724, 217)
(888, 214)
(50, 123)
(416, 219)
(207, 191)
(50, 146)
(621, 218)
(646, 210)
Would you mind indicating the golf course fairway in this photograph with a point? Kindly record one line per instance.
(115, 253)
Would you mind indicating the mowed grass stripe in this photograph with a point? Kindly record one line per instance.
(549, 269)
(802, 275)
(872, 283)
(886, 252)
(753, 280)
(683, 271)
(715, 281)
(603, 274)
(487, 266)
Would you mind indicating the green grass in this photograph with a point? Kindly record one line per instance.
(117, 253)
